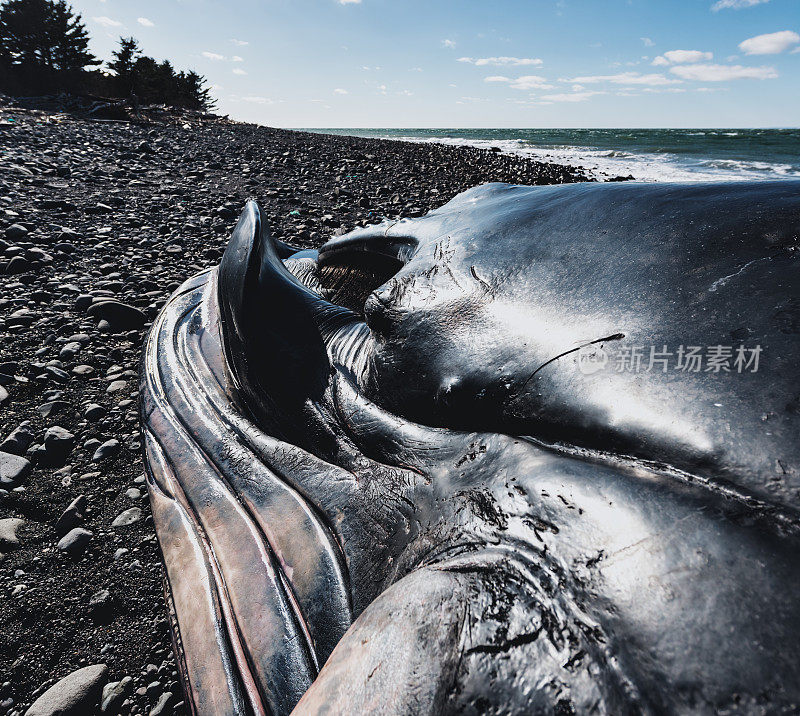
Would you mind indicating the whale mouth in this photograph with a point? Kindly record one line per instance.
(349, 277)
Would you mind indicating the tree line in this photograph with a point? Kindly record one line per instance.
(44, 49)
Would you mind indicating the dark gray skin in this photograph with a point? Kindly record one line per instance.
(435, 511)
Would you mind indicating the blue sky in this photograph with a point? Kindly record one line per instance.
(476, 63)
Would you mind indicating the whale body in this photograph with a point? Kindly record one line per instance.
(534, 452)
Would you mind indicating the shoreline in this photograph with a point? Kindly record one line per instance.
(661, 154)
(99, 211)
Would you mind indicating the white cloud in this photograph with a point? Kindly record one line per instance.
(239, 71)
(735, 4)
(680, 57)
(213, 56)
(647, 41)
(405, 93)
(449, 44)
(106, 21)
(258, 100)
(349, 2)
(339, 90)
(144, 22)
(501, 61)
(626, 78)
(723, 73)
(772, 43)
(526, 82)
(236, 58)
(569, 97)
(239, 43)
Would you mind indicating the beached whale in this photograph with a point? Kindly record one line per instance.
(534, 452)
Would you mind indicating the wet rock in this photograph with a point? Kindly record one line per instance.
(19, 264)
(119, 316)
(75, 695)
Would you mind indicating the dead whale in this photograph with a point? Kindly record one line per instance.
(532, 452)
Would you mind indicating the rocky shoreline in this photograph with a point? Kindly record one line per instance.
(99, 222)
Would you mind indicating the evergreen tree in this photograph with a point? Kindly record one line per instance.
(44, 46)
(192, 93)
(123, 65)
(71, 48)
(44, 33)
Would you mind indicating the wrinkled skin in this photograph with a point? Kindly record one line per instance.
(422, 505)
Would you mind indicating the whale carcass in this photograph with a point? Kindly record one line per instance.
(534, 452)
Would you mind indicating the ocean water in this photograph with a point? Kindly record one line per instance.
(645, 154)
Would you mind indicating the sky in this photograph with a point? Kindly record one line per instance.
(476, 63)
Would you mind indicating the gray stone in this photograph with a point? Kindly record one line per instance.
(15, 232)
(107, 450)
(13, 470)
(75, 695)
(19, 439)
(58, 443)
(163, 706)
(52, 407)
(127, 517)
(8, 532)
(69, 350)
(58, 439)
(114, 693)
(94, 412)
(115, 386)
(72, 516)
(75, 542)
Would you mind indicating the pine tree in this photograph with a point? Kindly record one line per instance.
(44, 33)
(71, 40)
(123, 65)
